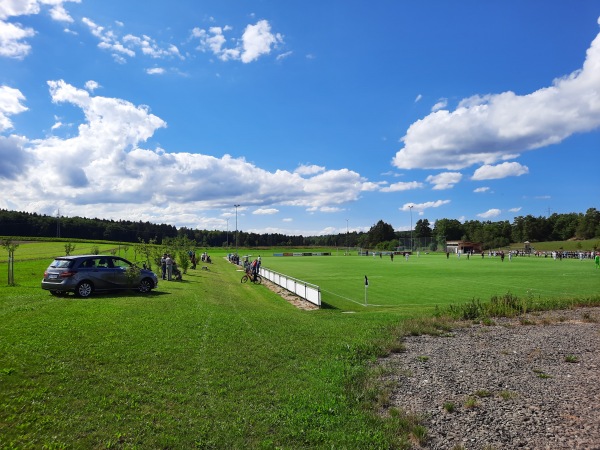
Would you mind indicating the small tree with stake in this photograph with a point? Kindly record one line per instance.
(10, 247)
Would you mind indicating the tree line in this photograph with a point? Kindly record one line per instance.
(556, 227)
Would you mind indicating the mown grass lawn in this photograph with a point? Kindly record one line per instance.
(420, 284)
(205, 363)
(213, 363)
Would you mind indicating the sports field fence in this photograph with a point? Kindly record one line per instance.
(308, 291)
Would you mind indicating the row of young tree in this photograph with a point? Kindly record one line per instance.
(557, 227)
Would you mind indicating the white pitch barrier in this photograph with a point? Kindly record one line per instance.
(309, 292)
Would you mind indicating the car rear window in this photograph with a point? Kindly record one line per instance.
(61, 263)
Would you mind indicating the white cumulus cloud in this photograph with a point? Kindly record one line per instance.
(126, 46)
(13, 36)
(507, 169)
(490, 214)
(445, 180)
(265, 211)
(256, 41)
(441, 104)
(421, 207)
(306, 169)
(116, 177)
(491, 128)
(11, 103)
(402, 186)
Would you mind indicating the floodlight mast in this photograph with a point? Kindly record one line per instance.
(236, 229)
(411, 228)
(347, 244)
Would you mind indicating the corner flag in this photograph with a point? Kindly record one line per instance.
(366, 281)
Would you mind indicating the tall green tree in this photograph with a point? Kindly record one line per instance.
(381, 232)
(448, 230)
(589, 224)
(564, 226)
(422, 229)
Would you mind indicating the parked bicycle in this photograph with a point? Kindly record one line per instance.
(255, 278)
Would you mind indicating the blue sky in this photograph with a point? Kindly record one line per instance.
(313, 116)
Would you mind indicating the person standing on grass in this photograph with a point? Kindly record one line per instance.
(597, 260)
(163, 266)
(169, 264)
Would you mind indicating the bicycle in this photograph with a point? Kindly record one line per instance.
(256, 279)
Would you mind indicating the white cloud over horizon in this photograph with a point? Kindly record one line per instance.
(421, 207)
(490, 214)
(114, 170)
(485, 129)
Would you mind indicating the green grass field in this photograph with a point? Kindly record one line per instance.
(422, 283)
(213, 363)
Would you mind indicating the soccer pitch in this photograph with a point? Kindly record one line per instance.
(423, 282)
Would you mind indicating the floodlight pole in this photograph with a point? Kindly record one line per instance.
(411, 228)
(347, 244)
(236, 230)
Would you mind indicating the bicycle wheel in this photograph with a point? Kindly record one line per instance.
(244, 279)
(258, 279)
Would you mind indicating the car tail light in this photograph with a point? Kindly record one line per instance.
(68, 273)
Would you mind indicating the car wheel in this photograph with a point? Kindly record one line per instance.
(84, 289)
(145, 286)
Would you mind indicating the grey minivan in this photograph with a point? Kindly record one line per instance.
(85, 274)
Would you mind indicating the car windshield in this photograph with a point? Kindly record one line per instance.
(61, 263)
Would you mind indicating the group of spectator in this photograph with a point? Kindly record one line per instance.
(567, 254)
(252, 268)
(194, 260)
(234, 258)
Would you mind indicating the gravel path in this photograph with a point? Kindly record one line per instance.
(529, 383)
